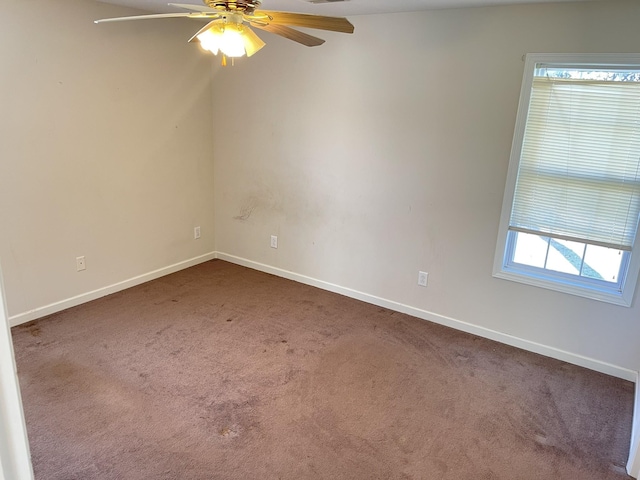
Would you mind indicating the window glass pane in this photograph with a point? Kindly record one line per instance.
(602, 263)
(530, 249)
(565, 256)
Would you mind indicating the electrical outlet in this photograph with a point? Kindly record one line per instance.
(422, 278)
(80, 264)
(196, 233)
(274, 241)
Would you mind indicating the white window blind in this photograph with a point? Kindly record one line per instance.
(579, 172)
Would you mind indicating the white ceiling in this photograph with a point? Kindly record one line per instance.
(349, 7)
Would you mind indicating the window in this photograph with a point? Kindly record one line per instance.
(572, 201)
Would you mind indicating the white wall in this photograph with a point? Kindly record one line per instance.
(105, 149)
(15, 462)
(371, 157)
(386, 152)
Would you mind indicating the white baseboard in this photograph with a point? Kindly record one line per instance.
(545, 350)
(101, 292)
(552, 352)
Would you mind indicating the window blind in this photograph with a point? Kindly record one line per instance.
(579, 171)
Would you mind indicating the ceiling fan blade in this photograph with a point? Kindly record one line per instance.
(291, 34)
(252, 42)
(335, 24)
(195, 8)
(157, 15)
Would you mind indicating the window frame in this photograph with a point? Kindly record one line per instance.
(503, 267)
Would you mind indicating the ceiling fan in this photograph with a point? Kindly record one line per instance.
(229, 30)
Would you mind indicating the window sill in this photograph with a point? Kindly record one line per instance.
(616, 298)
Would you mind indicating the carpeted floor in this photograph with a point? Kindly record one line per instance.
(221, 372)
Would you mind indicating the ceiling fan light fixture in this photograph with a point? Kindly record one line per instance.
(224, 37)
(231, 42)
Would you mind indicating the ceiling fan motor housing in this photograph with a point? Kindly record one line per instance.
(244, 6)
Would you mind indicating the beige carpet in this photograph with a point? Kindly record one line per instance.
(221, 372)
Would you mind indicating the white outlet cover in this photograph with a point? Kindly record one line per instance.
(274, 241)
(80, 264)
(423, 278)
